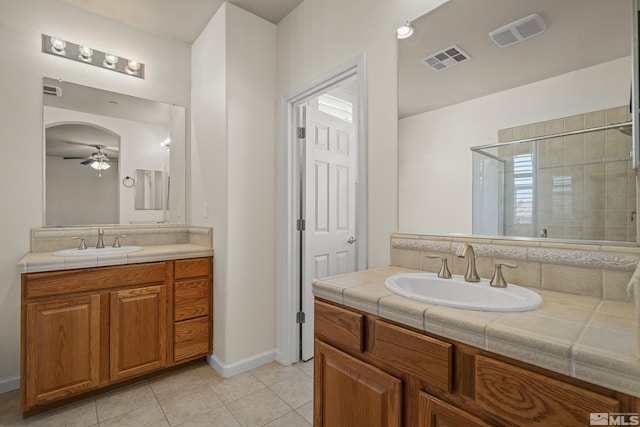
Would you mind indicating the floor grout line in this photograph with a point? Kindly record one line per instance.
(263, 377)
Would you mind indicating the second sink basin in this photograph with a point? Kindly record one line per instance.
(97, 252)
(455, 292)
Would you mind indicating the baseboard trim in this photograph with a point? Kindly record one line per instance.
(9, 384)
(241, 366)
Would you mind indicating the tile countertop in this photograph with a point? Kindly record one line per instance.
(582, 337)
(46, 261)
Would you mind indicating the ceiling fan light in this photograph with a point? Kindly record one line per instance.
(100, 166)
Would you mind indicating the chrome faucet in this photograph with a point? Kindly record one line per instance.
(100, 243)
(467, 250)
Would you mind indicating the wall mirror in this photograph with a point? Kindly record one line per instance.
(95, 142)
(459, 90)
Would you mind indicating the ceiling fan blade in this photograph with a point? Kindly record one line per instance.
(114, 149)
(88, 161)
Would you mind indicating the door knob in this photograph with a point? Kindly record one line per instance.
(351, 240)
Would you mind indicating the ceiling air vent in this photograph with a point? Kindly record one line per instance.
(519, 30)
(52, 90)
(446, 58)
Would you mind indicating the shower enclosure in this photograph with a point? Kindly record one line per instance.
(573, 184)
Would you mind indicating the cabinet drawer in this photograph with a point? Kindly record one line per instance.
(434, 413)
(92, 279)
(186, 268)
(339, 326)
(426, 358)
(191, 338)
(191, 299)
(528, 398)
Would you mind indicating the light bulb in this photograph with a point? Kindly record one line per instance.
(58, 45)
(405, 31)
(133, 66)
(110, 60)
(100, 166)
(85, 53)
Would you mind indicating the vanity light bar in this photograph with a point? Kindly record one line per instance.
(82, 53)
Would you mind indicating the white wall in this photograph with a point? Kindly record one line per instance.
(435, 173)
(233, 159)
(22, 68)
(312, 40)
(71, 193)
(321, 34)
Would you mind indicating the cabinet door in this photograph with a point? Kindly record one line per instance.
(62, 348)
(436, 413)
(349, 392)
(138, 331)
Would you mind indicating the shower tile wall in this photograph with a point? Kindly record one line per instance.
(585, 183)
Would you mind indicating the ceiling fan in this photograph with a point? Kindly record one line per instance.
(98, 161)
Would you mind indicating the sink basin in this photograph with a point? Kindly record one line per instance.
(455, 292)
(97, 252)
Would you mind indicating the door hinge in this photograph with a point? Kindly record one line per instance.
(301, 133)
(300, 317)
(300, 225)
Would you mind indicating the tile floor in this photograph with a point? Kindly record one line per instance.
(271, 395)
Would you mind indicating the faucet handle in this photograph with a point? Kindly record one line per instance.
(498, 280)
(116, 241)
(444, 272)
(83, 245)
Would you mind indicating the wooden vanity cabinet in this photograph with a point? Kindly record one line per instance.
(414, 379)
(86, 329)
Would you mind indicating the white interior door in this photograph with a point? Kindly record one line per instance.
(330, 179)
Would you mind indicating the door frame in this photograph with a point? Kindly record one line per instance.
(290, 242)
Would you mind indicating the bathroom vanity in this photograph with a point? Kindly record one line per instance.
(85, 328)
(384, 359)
(370, 371)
